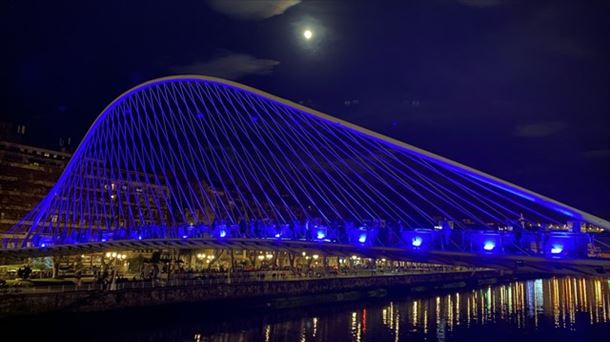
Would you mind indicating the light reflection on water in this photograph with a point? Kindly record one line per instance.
(563, 304)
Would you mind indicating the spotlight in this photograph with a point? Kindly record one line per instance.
(489, 246)
(362, 238)
(416, 241)
(556, 248)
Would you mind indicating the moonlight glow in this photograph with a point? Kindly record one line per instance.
(307, 34)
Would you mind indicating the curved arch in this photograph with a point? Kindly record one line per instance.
(488, 196)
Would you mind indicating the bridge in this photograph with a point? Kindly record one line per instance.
(188, 162)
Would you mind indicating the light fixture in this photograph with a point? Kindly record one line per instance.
(489, 245)
(556, 248)
(416, 241)
(362, 238)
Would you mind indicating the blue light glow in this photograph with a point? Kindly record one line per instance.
(556, 248)
(416, 241)
(489, 245)
(179, 192)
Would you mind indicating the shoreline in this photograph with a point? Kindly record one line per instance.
(274, 295)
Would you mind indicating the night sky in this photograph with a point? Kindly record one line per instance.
(519, 89)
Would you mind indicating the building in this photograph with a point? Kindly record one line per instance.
(27, 173)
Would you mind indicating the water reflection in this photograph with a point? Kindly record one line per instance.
(537, 305)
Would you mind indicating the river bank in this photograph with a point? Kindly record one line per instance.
(272, 294)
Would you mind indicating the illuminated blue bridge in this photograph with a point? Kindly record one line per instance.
(189, 161)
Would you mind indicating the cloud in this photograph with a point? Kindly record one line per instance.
(230, 66)
(595, 154)
(252, 9)
(539, 130)
(481, 3)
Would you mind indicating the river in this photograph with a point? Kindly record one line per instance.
(556, 309)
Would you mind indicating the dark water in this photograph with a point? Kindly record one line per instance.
(564, 309)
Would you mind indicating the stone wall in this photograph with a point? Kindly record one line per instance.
(83, 301)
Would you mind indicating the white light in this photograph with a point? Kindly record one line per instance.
(416, 241)
(308, 34)
(556, 249)
(315, 256)
(489, 246)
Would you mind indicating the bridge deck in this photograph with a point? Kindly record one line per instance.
(513, 263)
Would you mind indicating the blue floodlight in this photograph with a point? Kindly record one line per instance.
(416, 241)
(489, 245)
(556, 248)
(154, 187)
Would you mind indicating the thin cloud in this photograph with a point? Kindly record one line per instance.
(481, 3)
(252, 9)
(230, 66)
(597, 154)
(539, 130)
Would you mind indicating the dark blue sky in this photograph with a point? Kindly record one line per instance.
(519, 89)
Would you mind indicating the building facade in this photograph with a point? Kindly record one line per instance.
(27, 173)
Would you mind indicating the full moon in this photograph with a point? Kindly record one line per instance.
(307, 34)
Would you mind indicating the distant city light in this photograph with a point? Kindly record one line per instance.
(308, 34)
